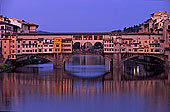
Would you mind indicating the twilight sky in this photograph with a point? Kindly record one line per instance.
(83, 15)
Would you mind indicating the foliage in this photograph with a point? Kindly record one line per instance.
(135, 28)
(117, 31)
(2, 66)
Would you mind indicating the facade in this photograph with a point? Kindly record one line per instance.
(152, 39)
(57, 44)
(134, 43)
(13, 25)
(156, 23)
(67, 46)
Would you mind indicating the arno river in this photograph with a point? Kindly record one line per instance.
(86, 85)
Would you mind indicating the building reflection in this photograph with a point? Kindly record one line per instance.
(14, 86)
(135, 70)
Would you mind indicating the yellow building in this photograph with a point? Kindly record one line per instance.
(57, 44)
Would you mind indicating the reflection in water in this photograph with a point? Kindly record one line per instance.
(87, 66)
(37, 88)
(136, 69)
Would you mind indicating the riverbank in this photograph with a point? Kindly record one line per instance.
(5, 68)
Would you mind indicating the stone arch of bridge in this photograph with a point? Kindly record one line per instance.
(163, 58)
(48, 57)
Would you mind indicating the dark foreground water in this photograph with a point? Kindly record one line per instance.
(40, 88)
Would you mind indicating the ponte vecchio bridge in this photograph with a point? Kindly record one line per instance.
(152, 40)
(60, 47)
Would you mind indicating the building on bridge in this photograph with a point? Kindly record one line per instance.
(58, 47)
(13, 25)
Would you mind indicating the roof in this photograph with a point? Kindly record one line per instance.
(141, 34)
(34, 25)
(161, 12)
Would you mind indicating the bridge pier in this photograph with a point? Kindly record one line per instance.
(117, 61)
(117, 66)
(58, 61)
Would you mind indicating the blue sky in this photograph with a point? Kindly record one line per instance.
(83, 15)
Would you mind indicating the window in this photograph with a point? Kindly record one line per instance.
(18, 46)
(145, 41)
(5, 41)
(50, 49)
(18, 51)
(151, 50)
(23, 51)
(57, 45)
(40, 50)
(4, 52)
(13, 41)
(29, 42)
(4, 46)
(45, 50)
(2, 27)
(157, 50)
(13, 51)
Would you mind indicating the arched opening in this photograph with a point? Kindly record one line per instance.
(88, 45)
(86, 66)
(33, 64)
(169, 27)
(77, 45)
(144, 67)
(98, 45)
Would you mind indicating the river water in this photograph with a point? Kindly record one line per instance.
(85, 85)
